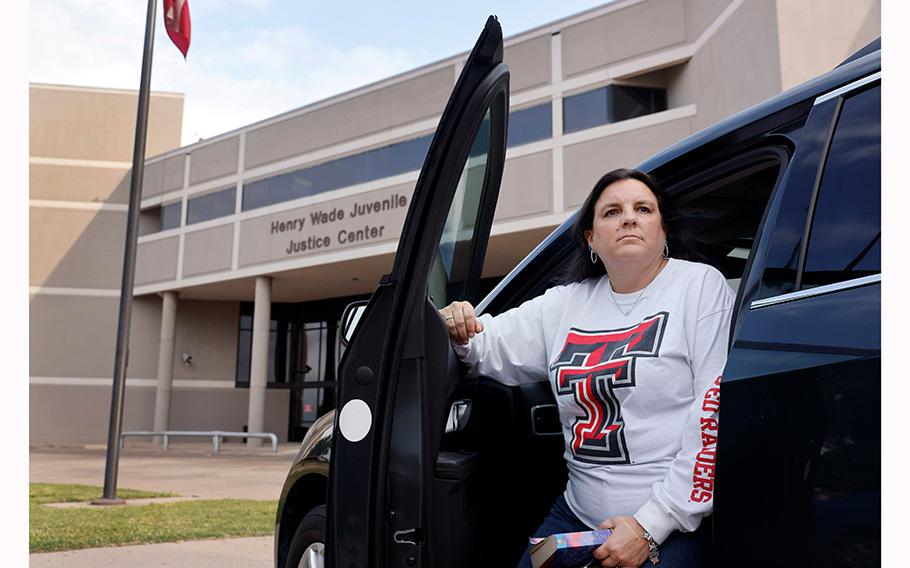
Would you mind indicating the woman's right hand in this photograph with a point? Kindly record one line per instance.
(460, 321)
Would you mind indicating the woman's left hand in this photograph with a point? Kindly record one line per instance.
(625, 547)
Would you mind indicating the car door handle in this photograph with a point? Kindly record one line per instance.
(459, 414)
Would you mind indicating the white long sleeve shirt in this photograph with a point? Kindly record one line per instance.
(638, 395)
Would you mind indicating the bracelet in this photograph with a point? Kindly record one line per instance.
(653, 552)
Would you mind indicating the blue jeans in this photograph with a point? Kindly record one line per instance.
(679, 550)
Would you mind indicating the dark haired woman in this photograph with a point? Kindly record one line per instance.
(633, 346)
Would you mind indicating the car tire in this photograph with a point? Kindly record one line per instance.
(308, 545)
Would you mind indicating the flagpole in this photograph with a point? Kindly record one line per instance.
(121, 357)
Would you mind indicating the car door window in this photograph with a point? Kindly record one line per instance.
(845, 237)
(449, 271)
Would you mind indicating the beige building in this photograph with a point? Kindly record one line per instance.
(80, 154)
(293, 217)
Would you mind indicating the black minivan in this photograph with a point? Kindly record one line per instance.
(422, 465)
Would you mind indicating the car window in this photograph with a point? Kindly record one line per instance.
(448, 274)
(723, 212)
(845, 236)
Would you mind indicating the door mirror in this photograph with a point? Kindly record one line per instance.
(350, 319)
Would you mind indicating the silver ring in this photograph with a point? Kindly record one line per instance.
(449, 318)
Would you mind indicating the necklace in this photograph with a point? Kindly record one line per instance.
(640, 294)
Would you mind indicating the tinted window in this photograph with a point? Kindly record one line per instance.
(453, 254)
(612, 103)
(723, 216)
(244, 347)
(367, 166)
(170, 215)
(530, 124)
(630, 102)
(278, 328)
(585, 110)
(845, 238)
(787, 214)
(210, 206)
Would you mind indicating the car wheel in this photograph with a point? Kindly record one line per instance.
(308, 545)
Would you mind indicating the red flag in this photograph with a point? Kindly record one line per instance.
(177, 23)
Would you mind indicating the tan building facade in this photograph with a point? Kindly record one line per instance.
(80, 155)
(303, 210)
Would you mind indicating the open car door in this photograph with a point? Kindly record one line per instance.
(394, 496)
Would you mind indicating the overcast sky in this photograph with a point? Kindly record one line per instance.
(252, 59)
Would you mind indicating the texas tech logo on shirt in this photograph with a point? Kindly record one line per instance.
(591, 366)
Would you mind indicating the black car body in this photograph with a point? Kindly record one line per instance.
(783, 198)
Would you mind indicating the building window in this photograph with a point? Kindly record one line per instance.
(609, 104)
(525, 126)
(530, 124)
(170, 215)
(379, 163)
(244, 349)
(210, 206)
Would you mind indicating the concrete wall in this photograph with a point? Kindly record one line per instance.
(634, 31)
(226, 409)
(737, 67)
(98, 124)
(700, 14)
(214, 160)
(80, 145)
(71, 362)
(63, 414)
(529, 63)
(817, 35)
(163, 175)
(525, 188)
(156, 260)
(79, 183)
(81, 413)
(76, 248)
(74, 336)
(208, 250)
(421, 97)
(208, 331)
(71, 402)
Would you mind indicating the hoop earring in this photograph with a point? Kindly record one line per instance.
(593, 255)
(666, 250)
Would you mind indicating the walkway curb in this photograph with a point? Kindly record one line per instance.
(249, 552)
(129, 502)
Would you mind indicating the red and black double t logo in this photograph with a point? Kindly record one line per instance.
(591, 366)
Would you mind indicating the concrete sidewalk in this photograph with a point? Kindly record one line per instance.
(187, 469)
(253, 552)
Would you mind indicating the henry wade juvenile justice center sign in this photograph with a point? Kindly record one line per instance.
(365, 219)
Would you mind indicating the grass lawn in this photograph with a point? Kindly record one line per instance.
(68, 529)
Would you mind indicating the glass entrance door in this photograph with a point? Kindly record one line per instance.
(313, 375)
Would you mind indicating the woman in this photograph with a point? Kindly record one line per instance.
(633, 346)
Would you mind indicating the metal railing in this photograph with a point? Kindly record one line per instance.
(215, 435)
